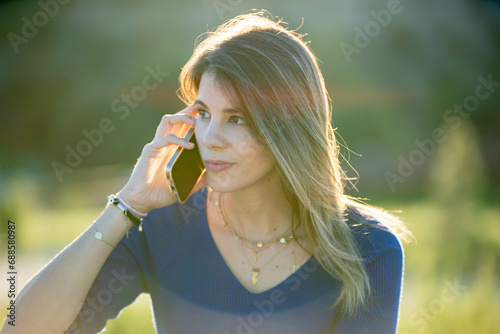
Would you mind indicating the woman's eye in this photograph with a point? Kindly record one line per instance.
(238, 118)
(201, 112)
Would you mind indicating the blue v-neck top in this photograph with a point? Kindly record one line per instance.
(175, 260)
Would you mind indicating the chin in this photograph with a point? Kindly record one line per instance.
(219, 183)
(223, 183)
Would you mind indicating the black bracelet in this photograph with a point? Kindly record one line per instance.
(113, 200)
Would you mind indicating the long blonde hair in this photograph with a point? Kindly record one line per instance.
(271, 75)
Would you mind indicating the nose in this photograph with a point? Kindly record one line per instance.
(213, 135)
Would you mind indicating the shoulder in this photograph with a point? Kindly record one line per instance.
(373, 237)
(382, 254)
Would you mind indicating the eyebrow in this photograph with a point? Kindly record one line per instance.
(230, 111)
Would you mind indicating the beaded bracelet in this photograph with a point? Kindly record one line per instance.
(114, 200)
(142, 215)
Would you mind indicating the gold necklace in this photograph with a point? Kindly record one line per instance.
(284, 239)
(255, 252)
(255, 270)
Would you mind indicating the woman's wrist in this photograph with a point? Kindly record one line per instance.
(112, 225)
(126, 210)
(125, 197)
(125, 204)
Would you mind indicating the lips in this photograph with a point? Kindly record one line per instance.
(218, 162)
(217, 165)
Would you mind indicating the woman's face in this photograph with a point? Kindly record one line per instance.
(222, 134)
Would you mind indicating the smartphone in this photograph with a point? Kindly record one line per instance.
(185, 169)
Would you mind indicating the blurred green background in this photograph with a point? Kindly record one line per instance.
(397, 82)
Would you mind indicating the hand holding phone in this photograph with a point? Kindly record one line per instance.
(185, 169)
(148, 188)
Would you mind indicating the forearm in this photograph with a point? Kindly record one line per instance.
(52, 299)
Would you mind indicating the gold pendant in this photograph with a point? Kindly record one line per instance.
(255, 272)
(255, 257)
(259, 245)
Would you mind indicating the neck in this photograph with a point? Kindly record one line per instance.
(258, 213)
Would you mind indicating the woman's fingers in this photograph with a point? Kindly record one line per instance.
(190, 111)
(177, 124)
(168, 140)
(148, 187)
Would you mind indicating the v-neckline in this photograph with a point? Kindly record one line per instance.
(204, 192)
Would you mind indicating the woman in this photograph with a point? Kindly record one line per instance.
(267, 241)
